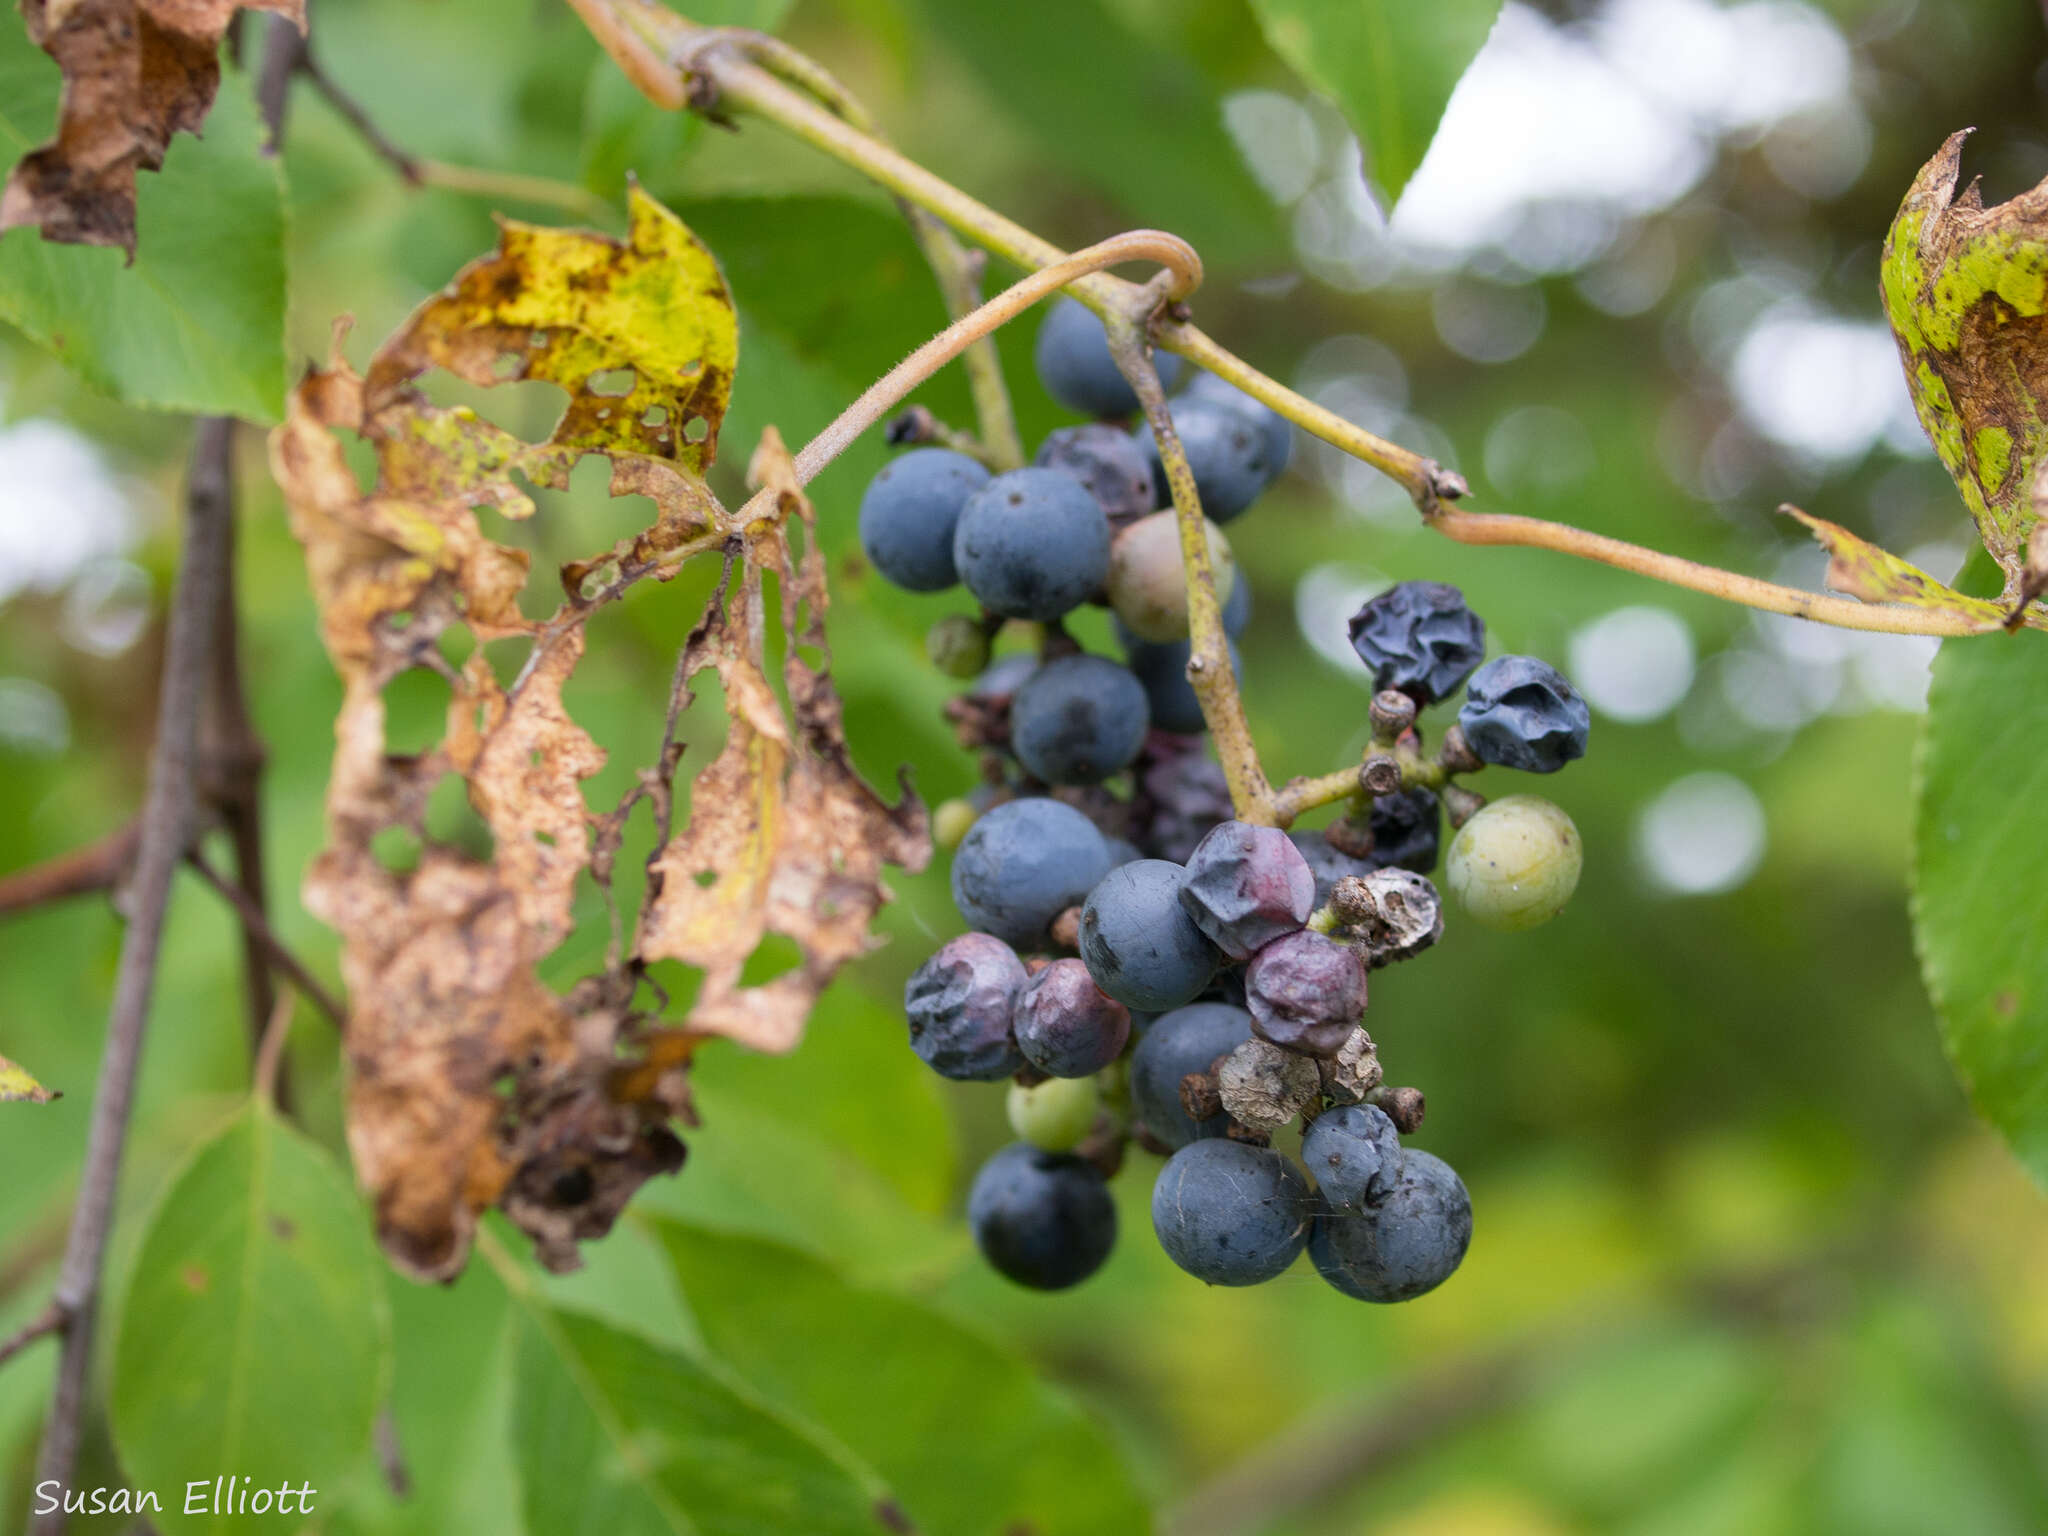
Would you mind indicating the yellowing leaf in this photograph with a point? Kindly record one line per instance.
(1861, 569)
(1966, 290)
(16, 1086)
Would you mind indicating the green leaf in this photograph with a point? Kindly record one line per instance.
(1389, 65)
(254, 1340)
(1982, 815)
(197, 323)
(616, 1435)
(16, 1086)
(1141, 123)
(971, 1440)
(1966, 290)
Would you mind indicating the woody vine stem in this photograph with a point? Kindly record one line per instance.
(678, 64)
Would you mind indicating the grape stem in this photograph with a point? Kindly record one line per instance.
(680, 63)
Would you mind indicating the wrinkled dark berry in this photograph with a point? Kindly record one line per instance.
(1188, 795)
(1523, 713)
(1065, 1025)
(959, 1004)
(1245, 886)
(1420, 638)
(1109, 462)
(1306, 992)
(1407, 830)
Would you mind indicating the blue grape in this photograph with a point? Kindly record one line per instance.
(1064, 1024)
(1032, 544)
(1227, 451)
(1229, 1213)
(1138, 942)
(909, 512)
(1043, 1219)
(960, 1003)
(1187, 795)
(1279, 434)
(1109, 462)
(1406, 1241)
(1419, 638)
(1186, 1040)
(1078, 719)
(1523, 713)
(1246, 886)
(1350, 1152)
(1022, 865)
(1161, 668)
(1075, 366)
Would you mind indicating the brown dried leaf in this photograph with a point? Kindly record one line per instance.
(135, 72)
(784, 836)
(471, 1082)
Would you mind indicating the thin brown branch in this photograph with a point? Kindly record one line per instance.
(96, 867)
(351, 112)
(275, 952)
(166, 832)
(46, 1322)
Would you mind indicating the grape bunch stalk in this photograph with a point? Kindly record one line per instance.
(1144, 966)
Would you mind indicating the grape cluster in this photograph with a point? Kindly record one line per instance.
(1142, 966)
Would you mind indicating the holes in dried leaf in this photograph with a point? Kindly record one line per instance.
(613, 383)
(397, 849)
(776, 954)
(415, 711)
(696, 430)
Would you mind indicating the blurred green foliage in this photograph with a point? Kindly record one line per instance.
(1743, 1262)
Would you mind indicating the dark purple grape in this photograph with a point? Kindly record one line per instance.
(1043, 1219)
(1419, 638)
(1523, 713)
(960, 1003)
(1109, 462)
(1306, 992)
(1246, 886)
(1065, 1025)
(1187, 795)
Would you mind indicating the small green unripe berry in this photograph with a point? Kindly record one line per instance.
(950, 821)
(1146, 586)
(957, 646)
(1056, 1114)
(1516, 862)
